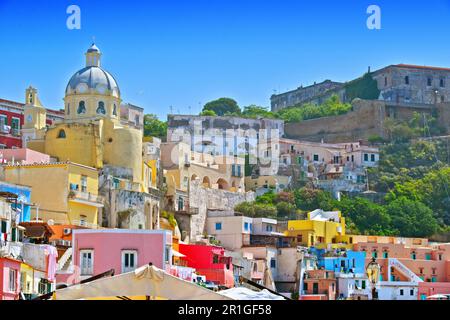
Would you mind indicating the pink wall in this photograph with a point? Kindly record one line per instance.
(432, 288)
(26, 156)
(421, 266)
(5, 265)
(108, 245)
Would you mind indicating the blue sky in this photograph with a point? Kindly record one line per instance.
(186, 53)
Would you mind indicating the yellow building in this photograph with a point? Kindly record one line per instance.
(320, 230)
(66, 193)
(91, 133)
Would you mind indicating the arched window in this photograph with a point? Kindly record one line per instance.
(61, 134)
(68, 108)
(101, 108)
(81, 107)
(115, 110)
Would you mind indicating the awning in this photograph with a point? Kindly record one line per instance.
(145, 281)
(177, 254)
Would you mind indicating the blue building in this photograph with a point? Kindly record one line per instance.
(23, 193)
(341, 261)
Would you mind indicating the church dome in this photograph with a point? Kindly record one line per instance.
(92, 78)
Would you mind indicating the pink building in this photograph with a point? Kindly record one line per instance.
(427, 289)
(23, 156)
(430, 262)
(98, 251)
(9, 279)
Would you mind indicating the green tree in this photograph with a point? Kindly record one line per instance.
(286, 210)
(208, 113)
(254, 111)
(153, 127)
(223, 106)
(257, 210)
(367, 217)
(412, 218)
(308, 199)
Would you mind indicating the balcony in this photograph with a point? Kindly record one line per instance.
(82, 223)
(86, 197)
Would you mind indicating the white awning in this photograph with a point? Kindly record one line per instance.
(175, 253)
(145, 281)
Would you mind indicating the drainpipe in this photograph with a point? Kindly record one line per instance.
(37, 213)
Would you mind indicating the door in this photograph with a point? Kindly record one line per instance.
(315, 288)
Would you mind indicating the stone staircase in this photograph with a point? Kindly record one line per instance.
(65, 260)
(395, 263)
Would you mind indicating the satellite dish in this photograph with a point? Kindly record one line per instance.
(50, 222)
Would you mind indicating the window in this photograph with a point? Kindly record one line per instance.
(4, 226)
(218, 225)
(375, 254)
(101, 108)
(316, 157)
(180, 204)
(429, 82)
(3, 120)
(68, 108)
(83, 183)
(129, 260)
(12, 280)
(363, 284)
(246, 228)
(15, 126)
(385, 254)
(442, 83)
(269, 228)
(115, 110)
(137, 120)
(305, 286)
(428, 256)
(372, 157)
(401, 292)
(215, 259)
(81, 107)
(411, 292)
(273, 263)
(413, 255)
(61, 134)
(407, 80)
(366, 157)
(87, 262)
(440, 256)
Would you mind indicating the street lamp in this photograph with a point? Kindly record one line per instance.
(373, 273)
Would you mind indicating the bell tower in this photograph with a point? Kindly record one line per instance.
(34, 113)
(35, 117)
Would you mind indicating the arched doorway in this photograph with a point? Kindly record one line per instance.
(222, 184)
(206, 182)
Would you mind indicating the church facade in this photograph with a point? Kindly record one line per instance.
(92, 134)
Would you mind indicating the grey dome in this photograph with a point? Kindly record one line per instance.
(94, 77)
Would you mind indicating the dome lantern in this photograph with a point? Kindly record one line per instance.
(93, 55)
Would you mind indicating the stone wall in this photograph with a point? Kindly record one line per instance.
(365, 120)
(204, 199)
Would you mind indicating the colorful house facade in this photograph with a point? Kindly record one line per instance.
(98, 251)
(66, 193)
(209, 261)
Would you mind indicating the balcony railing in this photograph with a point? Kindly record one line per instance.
(87, 196)
(82, 223)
